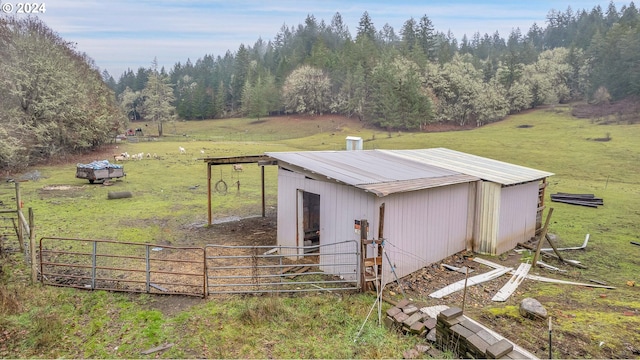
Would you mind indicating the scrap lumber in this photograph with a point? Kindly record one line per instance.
(539, 278)
(543, 235)
(582, 247)
(474, 280)
(589, 200)
(518, 276)
(157, 348)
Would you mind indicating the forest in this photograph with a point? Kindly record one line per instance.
(395, 79)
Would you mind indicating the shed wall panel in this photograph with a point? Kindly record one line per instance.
(488, 214)
(424, 227)
(518, 207)
(340, 206)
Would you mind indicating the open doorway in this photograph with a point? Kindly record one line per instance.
(308, 219)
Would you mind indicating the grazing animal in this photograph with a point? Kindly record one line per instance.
(237, 167)
(182, 150)
(202, 152)
(118, 158)
(148, 156)
(155, 156)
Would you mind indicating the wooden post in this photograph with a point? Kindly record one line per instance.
(32, 248)
(264, 213)
(208, 193)
(543, 236)
(363, 255)
(19, 212)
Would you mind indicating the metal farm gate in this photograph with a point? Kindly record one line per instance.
(215, 269)
(268, 269)
(122, 266)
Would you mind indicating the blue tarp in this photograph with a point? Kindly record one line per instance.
(99, 165)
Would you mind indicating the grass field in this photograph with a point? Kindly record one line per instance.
(170, 192)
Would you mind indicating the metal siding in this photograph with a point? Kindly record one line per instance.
(370, 170)
(340, 206)
(288, 183)
(488, 218)
(487, 169)
(518, 207)
(424, 227)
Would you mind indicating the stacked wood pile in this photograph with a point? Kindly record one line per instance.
(578, 199)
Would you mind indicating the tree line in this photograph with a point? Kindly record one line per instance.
(408, 78)
(55, 101)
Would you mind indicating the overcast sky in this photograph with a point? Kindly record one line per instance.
(120, 34)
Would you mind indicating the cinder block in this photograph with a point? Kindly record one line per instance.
(461, 331)
(416, 317)
(400, 317)
(475, 328)
(499, 349)
(430, 323)
(450, 313)
(402, 303)
(410, 309)
(417, 327)
(393, 311)
(477, 344)
(486, 336)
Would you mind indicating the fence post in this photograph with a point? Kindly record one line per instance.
(148, 268)
(32, 248)
(94, 264)
(205, 280)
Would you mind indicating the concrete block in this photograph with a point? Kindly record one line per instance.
(400, 317)
(477, 344)
(417, 327)
(402, 303)
(430, 323)
(471, 325)
(449, 313)
(393, 311)
(499, 349)
(486, 336)
(461, 331)
(416, 317)
(410, 309)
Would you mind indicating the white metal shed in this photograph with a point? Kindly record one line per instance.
(437, 202)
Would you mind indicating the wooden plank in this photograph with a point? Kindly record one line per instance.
(373, 261)
(513, 283)
(157, 348)
(287, 269)
(474, 280)
(543, 235)
(557, 281)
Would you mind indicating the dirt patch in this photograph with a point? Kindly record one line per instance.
(626, 111)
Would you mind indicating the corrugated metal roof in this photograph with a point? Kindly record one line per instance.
(372, 170)
(484, 168)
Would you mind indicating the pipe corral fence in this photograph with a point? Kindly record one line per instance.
(94, 264)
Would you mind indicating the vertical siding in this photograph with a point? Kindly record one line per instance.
(518, 209)
(488, 216)
(423, 227)
(340, 206)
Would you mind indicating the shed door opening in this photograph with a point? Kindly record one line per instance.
(309, 218)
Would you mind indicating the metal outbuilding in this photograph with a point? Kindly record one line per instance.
(426, 204)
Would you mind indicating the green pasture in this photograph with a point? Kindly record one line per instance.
(170, 191)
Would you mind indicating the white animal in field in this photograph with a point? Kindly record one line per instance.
(237, 167)
(202, 151)
(118, 158)
(182, 150)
